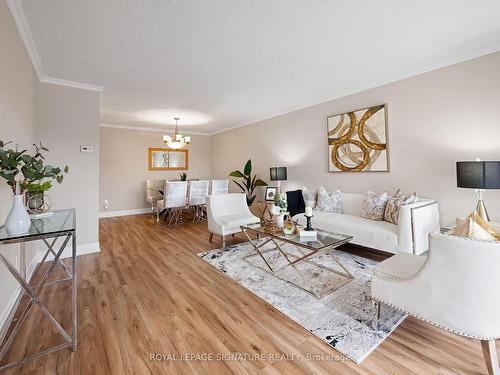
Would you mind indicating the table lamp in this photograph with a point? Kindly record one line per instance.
(278, 174)
(479, 175)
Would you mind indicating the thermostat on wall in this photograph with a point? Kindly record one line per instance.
(85, 148)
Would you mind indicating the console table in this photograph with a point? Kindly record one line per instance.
(61, 225)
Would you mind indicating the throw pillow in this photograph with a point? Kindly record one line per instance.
(475, 227)
(329, 201)
(309, 197)
(373, 206)
(391, 212)
(469, 228)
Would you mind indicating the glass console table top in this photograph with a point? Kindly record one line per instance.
(60, 222)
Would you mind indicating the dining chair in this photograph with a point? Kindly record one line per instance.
(174, 200)
(153, 192)
(219, 187)
(198, 191)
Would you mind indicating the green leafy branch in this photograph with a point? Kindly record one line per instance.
(21, 170)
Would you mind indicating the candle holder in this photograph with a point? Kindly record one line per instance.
(308, 227)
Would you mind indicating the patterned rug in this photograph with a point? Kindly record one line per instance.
(343, 318)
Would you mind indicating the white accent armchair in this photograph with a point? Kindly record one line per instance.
(455, 287)
(225, 214)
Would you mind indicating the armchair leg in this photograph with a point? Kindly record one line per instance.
(376, 321)
(210, 237)
(490, 356)
(223, 242)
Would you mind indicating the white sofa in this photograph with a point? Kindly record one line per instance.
(416, 221)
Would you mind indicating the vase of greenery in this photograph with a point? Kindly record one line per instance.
(279, 209)
(248, 182)
(183, 176)
(36, 199)
(21, 170)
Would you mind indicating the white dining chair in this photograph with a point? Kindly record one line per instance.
(174, 200)
(198, 191)
(219, 187)
(153, 192)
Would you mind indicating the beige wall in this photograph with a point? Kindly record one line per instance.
(124, 165)
(66, 119)
(435, 119)
(17, 97)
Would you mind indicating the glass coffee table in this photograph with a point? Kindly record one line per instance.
(303, 263)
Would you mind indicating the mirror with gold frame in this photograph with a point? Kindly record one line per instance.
(167, 159)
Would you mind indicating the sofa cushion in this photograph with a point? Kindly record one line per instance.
(373, 205)
(399, 266)
(379, 235)
(329, 201)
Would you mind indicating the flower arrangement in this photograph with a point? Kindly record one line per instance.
(280, 204)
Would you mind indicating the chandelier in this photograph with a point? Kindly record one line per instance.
(177, 140)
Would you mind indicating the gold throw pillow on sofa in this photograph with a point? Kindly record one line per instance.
(475, 227)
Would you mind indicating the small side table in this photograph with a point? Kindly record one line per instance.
(264, 208)
(61, 225)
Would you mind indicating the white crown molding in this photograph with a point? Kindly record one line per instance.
(21, 21)
(78, 85)
(24, 31)
(158, 130)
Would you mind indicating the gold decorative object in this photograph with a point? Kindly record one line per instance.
(358, 141)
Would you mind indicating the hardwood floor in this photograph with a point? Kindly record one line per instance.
(147, 292)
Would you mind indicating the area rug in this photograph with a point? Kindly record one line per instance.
(343, 318)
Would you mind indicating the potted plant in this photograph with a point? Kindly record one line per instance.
(249, 182)
(21, 170)
(36, 200)
(183, 176)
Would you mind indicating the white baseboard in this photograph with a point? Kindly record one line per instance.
(9, 310)
(84, 249)
(134, 211)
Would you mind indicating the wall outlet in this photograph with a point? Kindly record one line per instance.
(86, 148)
(106, 204)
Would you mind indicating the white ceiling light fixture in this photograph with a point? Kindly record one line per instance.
(176, 141)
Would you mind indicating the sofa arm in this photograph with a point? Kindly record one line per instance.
(416, 221)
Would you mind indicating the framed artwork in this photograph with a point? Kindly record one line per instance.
(167, 159)
(357, 141)
(271, 193)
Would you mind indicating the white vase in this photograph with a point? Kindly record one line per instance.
(280, 220)
(18, 221)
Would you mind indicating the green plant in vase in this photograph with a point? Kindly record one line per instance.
(183, 176)
(22, 171)
(36, 199)
(248, 182)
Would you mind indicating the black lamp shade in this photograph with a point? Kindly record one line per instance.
(277, 173)
(478, 174)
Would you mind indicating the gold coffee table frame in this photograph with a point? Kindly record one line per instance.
(307, 249)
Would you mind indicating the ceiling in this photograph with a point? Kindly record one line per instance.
(239, 61)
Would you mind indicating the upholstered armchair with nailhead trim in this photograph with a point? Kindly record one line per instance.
(455, 287)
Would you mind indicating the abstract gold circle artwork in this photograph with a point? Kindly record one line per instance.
(357, 141)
